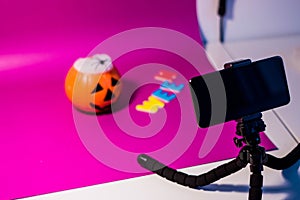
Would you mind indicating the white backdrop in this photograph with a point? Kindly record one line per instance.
(250, 19)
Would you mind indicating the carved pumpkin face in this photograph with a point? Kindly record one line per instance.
(93, 84)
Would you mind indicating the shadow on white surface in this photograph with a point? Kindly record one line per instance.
(291, 186)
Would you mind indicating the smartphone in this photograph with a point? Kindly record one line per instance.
(235, 92)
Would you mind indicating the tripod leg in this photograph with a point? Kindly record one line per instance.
(257, 155)
(191, 180)
(285, 162)
(256, 183)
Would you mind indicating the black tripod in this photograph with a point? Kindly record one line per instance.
(249, 129)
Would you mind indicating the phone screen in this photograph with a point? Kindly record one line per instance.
(232, 93)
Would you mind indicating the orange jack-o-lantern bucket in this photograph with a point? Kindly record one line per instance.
(93, 84)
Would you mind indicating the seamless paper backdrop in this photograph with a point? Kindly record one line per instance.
(45, 145)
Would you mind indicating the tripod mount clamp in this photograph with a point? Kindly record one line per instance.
(249, 128)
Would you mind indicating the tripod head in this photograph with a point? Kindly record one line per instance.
(249, 128)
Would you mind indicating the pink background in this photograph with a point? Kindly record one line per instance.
(41, 150)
